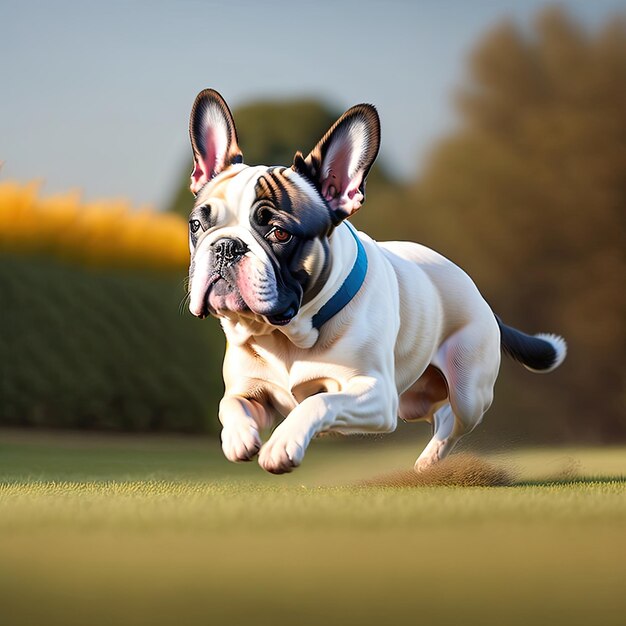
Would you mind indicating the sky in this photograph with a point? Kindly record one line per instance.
(96, 95)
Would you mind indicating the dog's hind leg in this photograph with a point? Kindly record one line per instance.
(443, 439)
(469, 361)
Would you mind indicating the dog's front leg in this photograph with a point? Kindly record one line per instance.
(365, 406)
(241, 420)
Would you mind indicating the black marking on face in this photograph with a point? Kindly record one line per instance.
(280, 201)
(281, 205)
(200, 220)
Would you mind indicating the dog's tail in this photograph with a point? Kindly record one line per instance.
(540, 353)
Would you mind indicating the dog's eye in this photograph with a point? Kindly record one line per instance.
(279, 235)
(194, 226)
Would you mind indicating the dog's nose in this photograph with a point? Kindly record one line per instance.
(228, 250)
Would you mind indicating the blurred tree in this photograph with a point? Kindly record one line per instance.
(529, 196)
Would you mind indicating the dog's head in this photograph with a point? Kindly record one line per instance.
(259, 236)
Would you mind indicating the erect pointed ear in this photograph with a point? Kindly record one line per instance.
(213, 138)
(340, 162)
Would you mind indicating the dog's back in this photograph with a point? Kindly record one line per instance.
(444, 297)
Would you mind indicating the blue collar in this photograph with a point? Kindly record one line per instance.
(348, 289)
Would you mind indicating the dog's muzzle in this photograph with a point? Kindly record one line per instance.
(224, 282)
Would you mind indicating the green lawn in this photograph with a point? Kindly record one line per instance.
(112, 530)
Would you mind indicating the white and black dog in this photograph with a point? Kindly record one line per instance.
(327, 328)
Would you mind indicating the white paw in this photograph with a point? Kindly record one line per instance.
(240, 442)
(433, 453)
(281, 454)
(424, 464)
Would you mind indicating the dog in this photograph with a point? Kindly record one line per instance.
(325, 327)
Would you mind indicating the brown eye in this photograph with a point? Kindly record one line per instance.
(279, 235)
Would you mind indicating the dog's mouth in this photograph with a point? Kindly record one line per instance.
(228, 291)
(213, 279)
(220, 295)
(282, 319)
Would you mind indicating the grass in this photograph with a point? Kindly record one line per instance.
(112, 530)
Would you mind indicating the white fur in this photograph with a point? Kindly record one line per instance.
(415, 309)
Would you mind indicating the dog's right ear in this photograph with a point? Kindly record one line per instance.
(213, 138)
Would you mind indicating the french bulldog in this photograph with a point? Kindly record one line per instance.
(326, 328)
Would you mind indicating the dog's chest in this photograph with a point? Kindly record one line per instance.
(290, 374)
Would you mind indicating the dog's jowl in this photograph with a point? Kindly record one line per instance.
(327, 329)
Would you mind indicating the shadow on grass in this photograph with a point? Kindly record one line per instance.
(469, 470)
(459, 470)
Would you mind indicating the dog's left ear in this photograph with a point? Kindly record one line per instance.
(340, 162)
(213, 138)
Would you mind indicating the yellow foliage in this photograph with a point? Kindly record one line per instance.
(104, 233)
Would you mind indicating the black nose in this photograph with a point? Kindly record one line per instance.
(228, 249)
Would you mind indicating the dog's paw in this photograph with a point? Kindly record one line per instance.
(421, 465)
(240, 443)
(281, 454)
(433, 453)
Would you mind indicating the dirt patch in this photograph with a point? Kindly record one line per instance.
(459, 470)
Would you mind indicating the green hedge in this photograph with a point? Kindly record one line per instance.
(103, 349)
